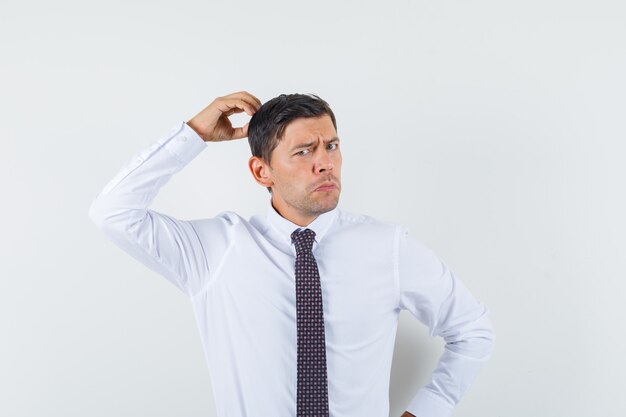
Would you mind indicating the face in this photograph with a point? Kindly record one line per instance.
(307, 157)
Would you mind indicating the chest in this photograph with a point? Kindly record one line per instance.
(359, 291)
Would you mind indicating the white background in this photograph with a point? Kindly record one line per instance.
(494, 130)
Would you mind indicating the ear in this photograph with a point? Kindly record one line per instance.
(260, 171)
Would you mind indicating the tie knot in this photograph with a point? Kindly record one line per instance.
(303, 239)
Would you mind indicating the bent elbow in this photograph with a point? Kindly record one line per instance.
(110, 217)
(488, 338)
(97, 214)
(475, 339)
(121, 225)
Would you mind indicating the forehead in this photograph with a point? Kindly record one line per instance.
(305, 129)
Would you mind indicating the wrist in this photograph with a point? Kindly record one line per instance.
(192, 125)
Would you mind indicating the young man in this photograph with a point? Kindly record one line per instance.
(297, 309)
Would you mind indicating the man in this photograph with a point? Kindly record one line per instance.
(297, 309)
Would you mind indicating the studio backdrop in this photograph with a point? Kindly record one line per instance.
(492, 130)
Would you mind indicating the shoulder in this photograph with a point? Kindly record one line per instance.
(382, 229)
(226, 219)
(350, 219)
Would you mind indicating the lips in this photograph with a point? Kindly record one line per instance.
(326, 186)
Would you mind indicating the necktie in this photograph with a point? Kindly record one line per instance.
(312, 389)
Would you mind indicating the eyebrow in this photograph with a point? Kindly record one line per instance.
(306, 145)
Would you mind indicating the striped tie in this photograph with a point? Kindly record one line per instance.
(312, 394)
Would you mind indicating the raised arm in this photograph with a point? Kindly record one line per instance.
(183, 251)
(432, 293)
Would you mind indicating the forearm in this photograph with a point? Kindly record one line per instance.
(176, 249)
(465, 353)
(125, 199)
(431, 291)
(167, 245)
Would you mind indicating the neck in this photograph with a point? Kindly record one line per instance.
(291, 214)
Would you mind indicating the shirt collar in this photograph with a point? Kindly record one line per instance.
(285, 227)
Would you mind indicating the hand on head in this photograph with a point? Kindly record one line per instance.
(212, 123)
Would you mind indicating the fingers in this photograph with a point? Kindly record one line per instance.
(236, 103)
(240, 132)
(212, 117)
(244, 95)
(229, 106)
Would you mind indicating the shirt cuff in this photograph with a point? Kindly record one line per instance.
(185, 143)
(426, 404)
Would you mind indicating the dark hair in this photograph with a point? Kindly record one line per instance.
(268, 124)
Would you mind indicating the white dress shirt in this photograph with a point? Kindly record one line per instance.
(239, 276)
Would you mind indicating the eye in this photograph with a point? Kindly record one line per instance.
(301, 153)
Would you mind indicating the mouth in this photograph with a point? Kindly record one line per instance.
(326, 187)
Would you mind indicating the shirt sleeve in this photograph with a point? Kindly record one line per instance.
(169, 246)
(432, 293)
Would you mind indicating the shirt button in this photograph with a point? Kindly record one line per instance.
(183, 138)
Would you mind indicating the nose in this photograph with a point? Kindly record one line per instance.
(324, 162)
